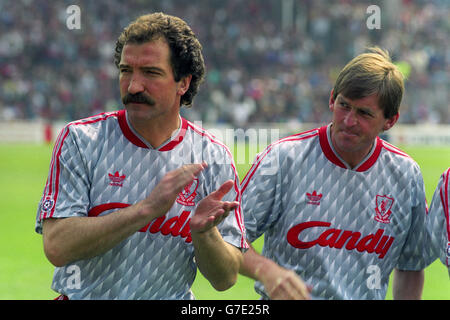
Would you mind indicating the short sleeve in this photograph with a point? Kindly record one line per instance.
(221, 169)
(66, 192)
(416, 251)
(438, 223)
(261, 193)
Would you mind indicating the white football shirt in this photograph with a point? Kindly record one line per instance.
(101, 164)
(439, 220)
(342, 230)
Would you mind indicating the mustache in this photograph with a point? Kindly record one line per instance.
(137, 98)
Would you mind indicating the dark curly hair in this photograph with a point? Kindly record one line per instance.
(185, 50)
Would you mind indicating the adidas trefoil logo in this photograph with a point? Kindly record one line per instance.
(314, 198)
(116, 179)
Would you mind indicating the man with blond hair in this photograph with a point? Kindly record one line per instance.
(344, 207)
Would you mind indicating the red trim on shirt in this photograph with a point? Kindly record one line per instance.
(373, 158)
(444, 193)
(389, 147)
(95, 211)
(49, 182)
(329, 153)
(238, 210)
(57, 153)
(259, 158)
(178, 138)
(127, 132)
(326, 148)
(58, 171)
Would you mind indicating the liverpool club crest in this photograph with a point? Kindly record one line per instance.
(383, 208)
(187, 195)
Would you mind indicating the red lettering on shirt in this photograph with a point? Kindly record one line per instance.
(336, 238)
(175, 226)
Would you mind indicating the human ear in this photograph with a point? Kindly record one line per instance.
(331, 101)
(390, 122)
(184, 84)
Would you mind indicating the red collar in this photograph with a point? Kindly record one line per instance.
(365, 165)
(129, 133)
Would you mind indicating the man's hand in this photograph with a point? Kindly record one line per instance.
(279, 283)
(216, 259)
(212, 210)
(75, 238)
(283, 284)
(163, 196)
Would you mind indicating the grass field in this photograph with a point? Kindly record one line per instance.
(25, 273)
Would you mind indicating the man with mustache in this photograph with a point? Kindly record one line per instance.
(115, 217)
(339, 207)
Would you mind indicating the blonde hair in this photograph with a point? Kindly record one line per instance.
(372, 73)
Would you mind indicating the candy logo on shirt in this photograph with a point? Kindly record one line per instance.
(383, 208)
(378, 242)
(187, 195)
(174, 226)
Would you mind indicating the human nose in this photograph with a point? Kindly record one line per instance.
(135, 85)
(350, 118)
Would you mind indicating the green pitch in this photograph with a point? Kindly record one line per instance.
(25, 273)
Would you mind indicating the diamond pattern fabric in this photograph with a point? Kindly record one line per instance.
(439, 220)
(318, 216)
(99, 165)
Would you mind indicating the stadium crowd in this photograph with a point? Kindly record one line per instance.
(267, 60)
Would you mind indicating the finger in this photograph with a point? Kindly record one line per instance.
(194, 168)
(229, 206)
(220, 217)
(219, 213)
(186, 174)
(289, 288)
(299, 289)
(278, 291)
(285, 291)
(208, 222)
(223, 190)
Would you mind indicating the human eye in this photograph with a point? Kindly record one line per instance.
(365, 113)
(152, 72)
(124, 70)
(343, 104)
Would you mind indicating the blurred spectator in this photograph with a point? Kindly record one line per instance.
(267, 60)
